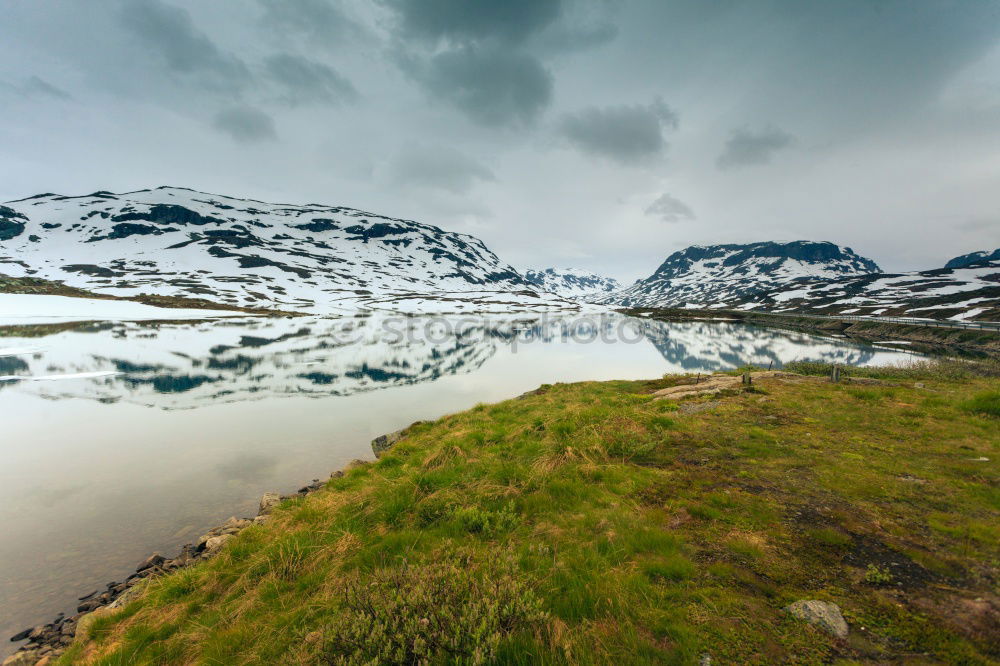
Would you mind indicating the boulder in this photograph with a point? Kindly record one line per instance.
(383, 443)
(153, 560)
(822, 614)
(124, 599)
(85, 622)
(22, 658)
(267, 502)
(217, 542)
(21, 635)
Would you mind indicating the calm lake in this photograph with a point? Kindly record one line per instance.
(121, 439)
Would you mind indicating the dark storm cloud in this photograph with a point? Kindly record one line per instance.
(439, 167)
(670, 209)
(321, 20)
(747, 147)
(308, 81)
(494, 87)
(508, 21)
(169, 32)
(626, 134)
(245, 124)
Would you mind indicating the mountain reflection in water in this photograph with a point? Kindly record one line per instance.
(184, 365)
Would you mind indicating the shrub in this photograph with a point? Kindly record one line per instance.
(485, 522)
(878, 575)
(447, 612)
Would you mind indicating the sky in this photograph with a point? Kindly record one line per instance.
(599, 134)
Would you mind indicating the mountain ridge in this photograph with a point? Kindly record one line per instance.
(316, 258)
(575, 283)
(973, 258)
(724, 275)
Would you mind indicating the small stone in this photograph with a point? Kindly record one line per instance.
(705, 660)
(314, 637)
(267, 502)
(822, 614)
(260, 520)
(235, 523)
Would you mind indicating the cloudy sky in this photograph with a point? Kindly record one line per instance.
(603, 134)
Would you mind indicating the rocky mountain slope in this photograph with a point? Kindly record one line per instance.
(571, 282)
(973, 258)
(731, 275)
(965, 293)
(313, 258)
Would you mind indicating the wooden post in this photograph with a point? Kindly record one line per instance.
(746, 379)
(835, 374)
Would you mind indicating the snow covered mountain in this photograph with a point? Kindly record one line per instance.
(731, 275)
(313, 258)
(973, 258)
(571, 282)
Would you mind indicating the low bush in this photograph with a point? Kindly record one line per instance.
(454, 612)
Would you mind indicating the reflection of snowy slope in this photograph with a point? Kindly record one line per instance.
(700, 346)
(179, 242)
(177, 366)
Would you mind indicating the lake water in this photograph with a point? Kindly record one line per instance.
(120, 439)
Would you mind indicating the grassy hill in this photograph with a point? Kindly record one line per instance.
(594, 523)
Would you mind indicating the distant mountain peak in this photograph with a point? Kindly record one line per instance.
(731, 273)
(973, 258)
(572, 283)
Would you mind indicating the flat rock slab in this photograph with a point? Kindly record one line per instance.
(822, 614)
(714, 384)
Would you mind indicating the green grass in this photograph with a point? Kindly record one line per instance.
(987, 403)
(588, 523)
